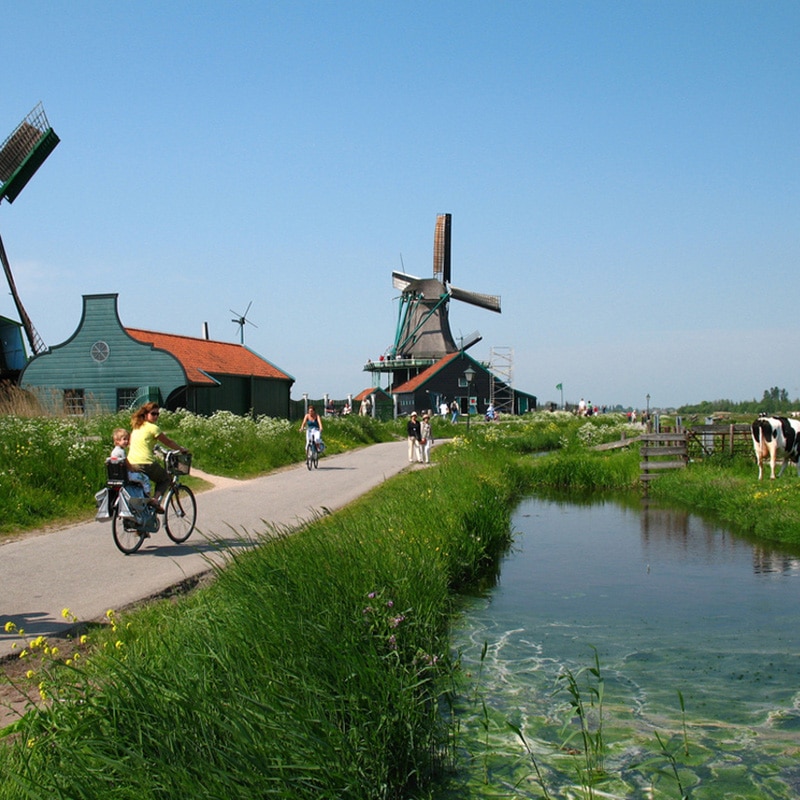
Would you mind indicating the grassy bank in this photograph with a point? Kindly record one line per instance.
(730, 493)
(315, 666)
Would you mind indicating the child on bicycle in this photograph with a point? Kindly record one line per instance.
(313, 425)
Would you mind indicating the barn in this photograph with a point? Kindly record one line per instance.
(105, 366)
(447, 380)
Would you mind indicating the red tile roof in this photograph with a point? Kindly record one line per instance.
(201, 357)
(368, 392)
(417, 381)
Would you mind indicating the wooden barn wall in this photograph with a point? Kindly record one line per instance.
(243, 394)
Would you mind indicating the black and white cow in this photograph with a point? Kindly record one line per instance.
(771, 434)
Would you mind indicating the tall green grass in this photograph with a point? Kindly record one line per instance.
(315, 666)
(583, 470)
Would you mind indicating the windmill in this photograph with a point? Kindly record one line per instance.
(22, 153)
(241, 320)
(423, 325)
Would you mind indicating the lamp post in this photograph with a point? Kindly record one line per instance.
(469, 374)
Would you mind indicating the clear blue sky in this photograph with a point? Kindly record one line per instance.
(625, 175)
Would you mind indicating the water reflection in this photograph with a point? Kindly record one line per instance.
(698, 537)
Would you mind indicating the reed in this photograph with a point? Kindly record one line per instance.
(586, 702)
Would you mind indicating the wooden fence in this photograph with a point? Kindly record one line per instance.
(720, 438)
(673, 449)
(660, 451)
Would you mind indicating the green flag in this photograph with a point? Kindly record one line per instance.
(559, 386)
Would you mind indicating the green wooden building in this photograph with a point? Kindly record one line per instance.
(104, 366)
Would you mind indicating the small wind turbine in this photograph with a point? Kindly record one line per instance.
(241, 320)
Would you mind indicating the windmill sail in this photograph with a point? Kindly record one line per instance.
(21, 154)
(441, 248)
(489, 301)
(24, 151)
(34, 340)
(423, 330)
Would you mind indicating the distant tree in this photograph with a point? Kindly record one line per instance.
(774, 401)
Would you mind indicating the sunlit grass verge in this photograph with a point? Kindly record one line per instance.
(314, 666)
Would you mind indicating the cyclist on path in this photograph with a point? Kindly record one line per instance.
(313, 423)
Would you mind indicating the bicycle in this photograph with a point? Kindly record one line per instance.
(313, 447)
(133, 519)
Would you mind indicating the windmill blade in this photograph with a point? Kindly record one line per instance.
(488, 301)
(465, 342)
(402, 281)
(441, 248)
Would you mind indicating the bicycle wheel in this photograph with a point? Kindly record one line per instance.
(180, 513)
(310, 452)
(315, 457)
(127, 537)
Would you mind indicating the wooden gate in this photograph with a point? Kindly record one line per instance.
(660, 451)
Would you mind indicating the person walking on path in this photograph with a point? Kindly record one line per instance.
(454, 412)
(426, 438)
(414, 431)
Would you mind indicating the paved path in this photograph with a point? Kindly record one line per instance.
(81, 569)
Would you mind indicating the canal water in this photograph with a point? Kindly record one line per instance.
(696, 633)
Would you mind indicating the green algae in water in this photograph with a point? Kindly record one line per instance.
(676, 610)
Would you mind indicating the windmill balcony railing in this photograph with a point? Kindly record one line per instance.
(388, 363)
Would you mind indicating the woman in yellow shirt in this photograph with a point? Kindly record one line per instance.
(145, 433)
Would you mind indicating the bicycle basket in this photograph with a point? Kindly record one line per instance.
(179, 463)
